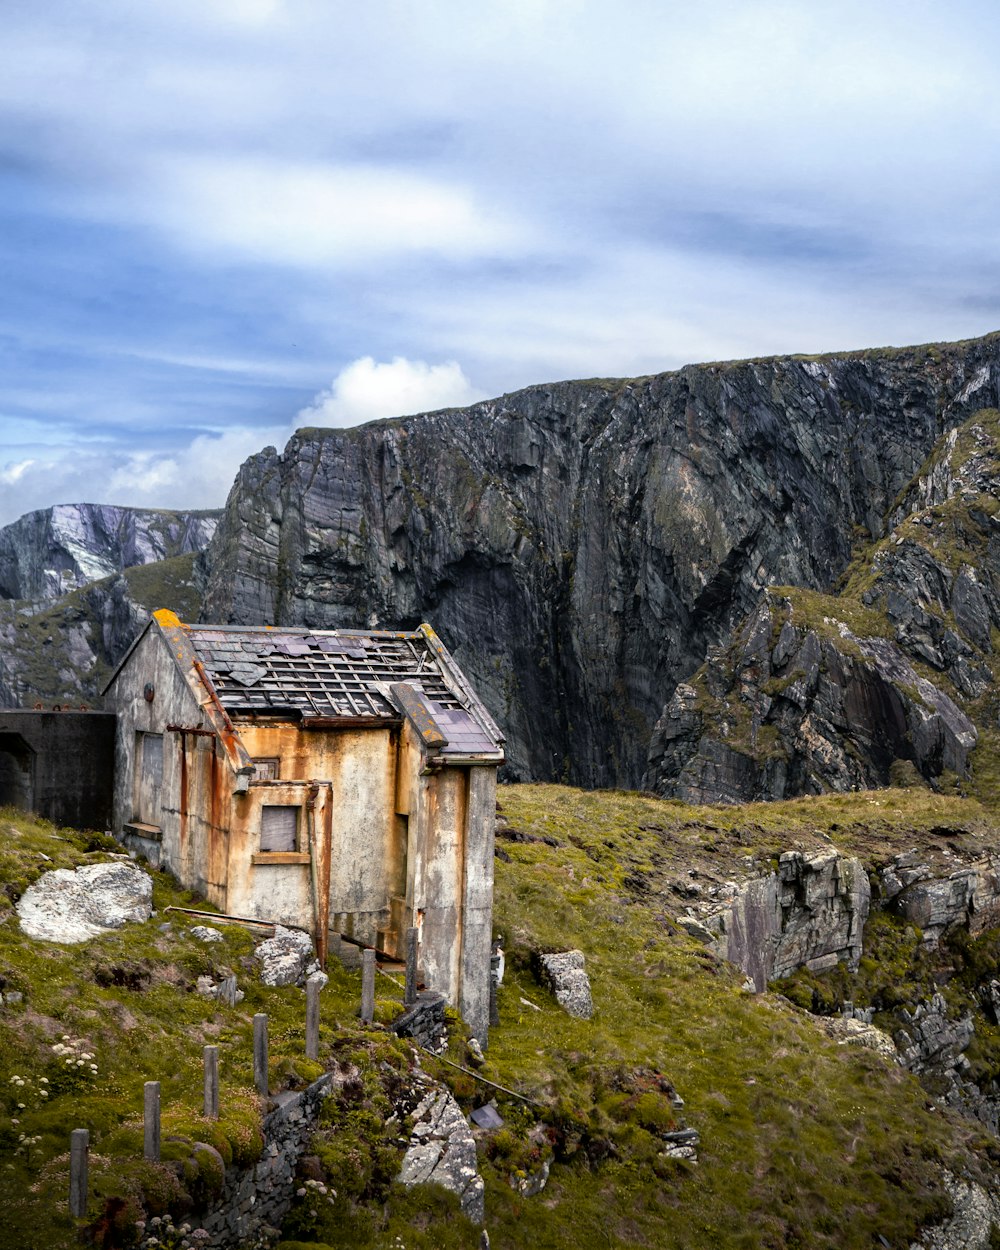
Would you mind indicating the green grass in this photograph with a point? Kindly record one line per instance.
(802, 1142)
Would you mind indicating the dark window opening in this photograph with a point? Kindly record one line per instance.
(17, 772)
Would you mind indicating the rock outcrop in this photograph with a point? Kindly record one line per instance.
(442, 1151)
(581, 547)
(811, 913)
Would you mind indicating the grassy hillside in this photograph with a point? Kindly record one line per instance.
(803, 1142)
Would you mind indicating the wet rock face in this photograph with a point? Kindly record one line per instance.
(581, 546)
(44, 554)
(821, 714)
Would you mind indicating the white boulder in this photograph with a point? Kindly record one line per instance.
(74, 906)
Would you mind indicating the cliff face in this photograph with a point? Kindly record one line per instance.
(891, 680)
(47, 553)
(581, 546)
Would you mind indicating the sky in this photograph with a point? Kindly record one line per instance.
(223, 219)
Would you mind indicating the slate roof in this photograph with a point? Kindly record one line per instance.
(341, 673)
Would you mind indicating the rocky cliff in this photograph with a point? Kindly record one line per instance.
(583, 546)
(893, 679)
(47, 553)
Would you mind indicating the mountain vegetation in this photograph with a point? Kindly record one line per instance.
(802, 1138)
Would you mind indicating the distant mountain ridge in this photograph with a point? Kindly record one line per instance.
(45, 554)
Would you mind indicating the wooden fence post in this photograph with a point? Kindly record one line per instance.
(79, 1150)
(260, 1053)
(151, 1121)
(312, 1019)
(367, 986)
(211, 1057)
(410, 992)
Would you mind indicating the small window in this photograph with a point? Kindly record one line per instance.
(266, 768)
(279, 828)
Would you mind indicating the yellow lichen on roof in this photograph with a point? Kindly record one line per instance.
(167, 619)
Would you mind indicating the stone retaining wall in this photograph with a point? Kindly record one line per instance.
(424, 1022)
(259, 1197)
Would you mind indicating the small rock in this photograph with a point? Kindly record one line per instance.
(205, 933)
(486, 1117)
(566, 973)
(476, 1051)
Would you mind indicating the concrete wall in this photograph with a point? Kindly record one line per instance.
(59, 764)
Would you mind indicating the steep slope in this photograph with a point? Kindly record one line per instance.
(805, 1139)
(894, 678)
(63, 651)
(45, 554)
(580, 546)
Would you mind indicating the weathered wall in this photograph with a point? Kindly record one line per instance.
(365, 872)
(197, 782)
(60, 765)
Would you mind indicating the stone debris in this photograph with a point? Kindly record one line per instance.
(287, 958)
(205, 933)
(566, 973)
(225, 989)
(442, 1150)
(851, 1032)
(73, 906)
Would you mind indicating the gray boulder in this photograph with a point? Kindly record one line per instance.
(442, 1151)
(74, 906)
(566, 973)
(286, 958)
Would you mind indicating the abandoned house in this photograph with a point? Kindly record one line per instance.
(338, 781)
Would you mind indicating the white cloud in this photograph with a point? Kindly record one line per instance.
(366, 390)
(311, 213)
(196, 475)
(12, 473)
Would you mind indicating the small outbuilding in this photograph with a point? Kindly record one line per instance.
(338, 781)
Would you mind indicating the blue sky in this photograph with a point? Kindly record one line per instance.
(222, 220)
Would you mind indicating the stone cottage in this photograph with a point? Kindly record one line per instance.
(339, 781)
